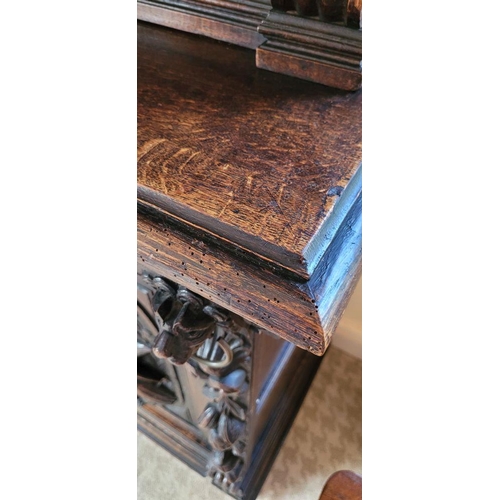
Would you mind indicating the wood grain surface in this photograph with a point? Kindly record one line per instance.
(249, 185)
(305, 313)
(310, 49)
(342, 485)
(233, 21)
(265, 298)
(260, 160)
(345, 12)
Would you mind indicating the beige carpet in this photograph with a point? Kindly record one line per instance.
(325, 437)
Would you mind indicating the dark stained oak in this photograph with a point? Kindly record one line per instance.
(248, 242)
(258, 159)
(310, 49)
(317, 40)
(343, 12)
(249, 185)
(233, 21)
(228, 419)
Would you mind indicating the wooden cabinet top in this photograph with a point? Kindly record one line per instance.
(262, 169)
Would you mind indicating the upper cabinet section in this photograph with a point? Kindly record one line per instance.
(315, 40)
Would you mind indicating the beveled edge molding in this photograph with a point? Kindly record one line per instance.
(311, 49)
(287, 43)
(299, 264)
(303, 313)
(236, 24)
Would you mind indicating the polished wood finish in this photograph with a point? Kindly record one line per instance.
(275, 411)
(343, 12)
(249, 246)
(343, 485)
(354, 8)
(288, 35)
(310, 49)
(230, 401)
(262, 163)
(233, 21)
(262, 171)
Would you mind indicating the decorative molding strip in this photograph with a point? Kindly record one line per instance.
(225, 417)
(290, 39)
(233, 21)
(312, 50)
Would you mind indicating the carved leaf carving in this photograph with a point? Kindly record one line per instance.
(217, 346)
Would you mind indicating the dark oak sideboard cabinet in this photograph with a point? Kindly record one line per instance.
(249, 247)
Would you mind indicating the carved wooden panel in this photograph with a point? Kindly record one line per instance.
(226, 409)
(156, 381)
(248, 215)
(346, 12)
(214, 346)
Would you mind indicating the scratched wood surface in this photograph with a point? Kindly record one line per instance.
(260, 160)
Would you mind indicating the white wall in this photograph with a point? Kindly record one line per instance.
(348, 334)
